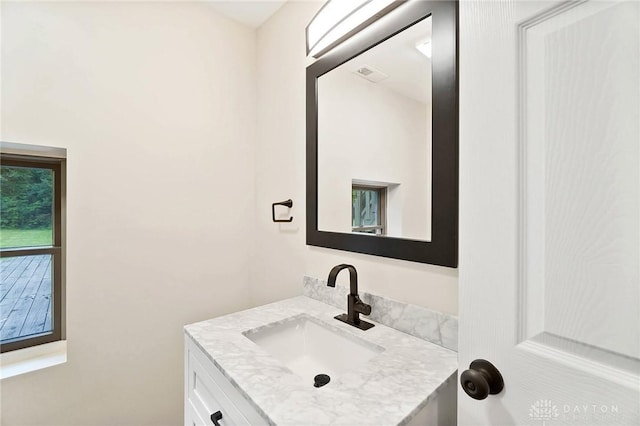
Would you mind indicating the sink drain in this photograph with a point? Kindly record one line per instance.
(321, 380)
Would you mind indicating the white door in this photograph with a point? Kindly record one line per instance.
(549, 210)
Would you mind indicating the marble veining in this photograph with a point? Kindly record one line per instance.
(432, 326)
(390, 388)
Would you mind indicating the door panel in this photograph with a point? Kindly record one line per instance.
(580, 168)
(549, 216)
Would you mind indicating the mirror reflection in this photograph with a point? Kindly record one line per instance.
(374, 140)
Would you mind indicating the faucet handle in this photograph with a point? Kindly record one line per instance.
(361, 307)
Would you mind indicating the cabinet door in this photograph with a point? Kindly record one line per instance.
(191, 416)
(208, 391)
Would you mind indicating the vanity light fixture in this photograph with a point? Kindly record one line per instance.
(425, 48)
(338, 20)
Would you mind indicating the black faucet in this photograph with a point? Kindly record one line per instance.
(355, 306)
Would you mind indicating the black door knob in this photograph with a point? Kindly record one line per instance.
(481, 379)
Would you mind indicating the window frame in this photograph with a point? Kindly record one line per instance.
(382, 209)
(57, 164)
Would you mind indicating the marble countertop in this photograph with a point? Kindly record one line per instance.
(390, 388)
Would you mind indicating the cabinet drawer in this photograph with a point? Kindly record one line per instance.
(209, 391)
(191, 416)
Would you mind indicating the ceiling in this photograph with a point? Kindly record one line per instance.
(408, 71)
(249, 12)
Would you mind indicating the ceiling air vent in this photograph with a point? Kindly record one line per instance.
(369, 73)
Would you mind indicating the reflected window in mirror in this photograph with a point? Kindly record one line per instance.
(368, 212)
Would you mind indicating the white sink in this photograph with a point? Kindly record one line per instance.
(309, 347)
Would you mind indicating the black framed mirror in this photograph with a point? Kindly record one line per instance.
(381, 178)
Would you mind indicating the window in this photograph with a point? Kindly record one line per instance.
(368, 209)
(32, 187)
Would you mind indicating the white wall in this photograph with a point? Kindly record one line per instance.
(155, 103)
(367, 131)
(281, 257)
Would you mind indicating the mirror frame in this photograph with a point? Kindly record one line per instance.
(443, 248)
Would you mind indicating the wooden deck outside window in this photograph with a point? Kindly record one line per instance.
(32, 270)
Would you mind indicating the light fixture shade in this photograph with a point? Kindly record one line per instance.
(338, 20)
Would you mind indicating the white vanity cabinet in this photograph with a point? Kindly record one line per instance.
(246, 366)
(208, 391)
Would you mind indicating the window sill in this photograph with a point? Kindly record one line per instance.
(31, 359)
